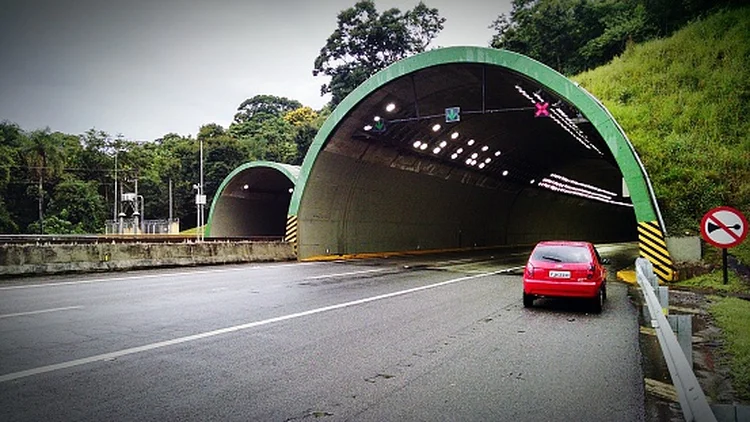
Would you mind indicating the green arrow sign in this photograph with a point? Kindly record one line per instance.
(452, 114)
(379, 126)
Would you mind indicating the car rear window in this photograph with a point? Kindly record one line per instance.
(561, 253)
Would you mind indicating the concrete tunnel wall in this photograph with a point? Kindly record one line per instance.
(359, 195)
(253, 201)
(359, 207)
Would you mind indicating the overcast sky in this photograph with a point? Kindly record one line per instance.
(144, 68)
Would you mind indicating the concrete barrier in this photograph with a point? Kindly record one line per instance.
(54, 259)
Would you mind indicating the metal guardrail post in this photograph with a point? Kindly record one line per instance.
(692, 399)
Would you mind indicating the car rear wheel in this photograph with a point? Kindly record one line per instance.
(598, 302)
(528, 300)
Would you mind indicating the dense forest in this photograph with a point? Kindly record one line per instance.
(54, 182)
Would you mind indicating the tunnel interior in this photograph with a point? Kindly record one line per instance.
(461, 155)
(253, 202)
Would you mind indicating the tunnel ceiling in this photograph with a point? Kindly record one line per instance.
(501, 137)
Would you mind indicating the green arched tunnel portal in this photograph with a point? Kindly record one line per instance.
(253, 201)
(469, 146)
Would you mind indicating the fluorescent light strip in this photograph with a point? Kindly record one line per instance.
(563, 190)
(564, 121)
(576, 137)
(566, 180)
(575, 189)
(575, 127)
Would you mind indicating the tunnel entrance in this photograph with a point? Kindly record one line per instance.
(464, 147)
(252, 201)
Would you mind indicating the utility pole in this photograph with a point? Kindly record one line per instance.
(170, 200)
(114, 214)
(41, 202)
(203, 200)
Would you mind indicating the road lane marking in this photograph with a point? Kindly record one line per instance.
(137, 277)
(346, 274)
(200, 336)
(43, 311)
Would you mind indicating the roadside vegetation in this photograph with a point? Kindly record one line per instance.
(682, 102)
(733, 316)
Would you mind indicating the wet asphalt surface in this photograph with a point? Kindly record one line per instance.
(422, 338)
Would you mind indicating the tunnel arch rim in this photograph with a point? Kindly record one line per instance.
(291, 172)
(641, 192)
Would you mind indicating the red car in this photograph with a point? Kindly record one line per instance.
(565, 269)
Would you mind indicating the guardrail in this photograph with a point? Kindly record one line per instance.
(74, 239)
(693, 401)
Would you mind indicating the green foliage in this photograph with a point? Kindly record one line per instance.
(714, 281)
(732, 315)
(79, 203)
(366, 41)
(575, 35)
(56, 225)
(681, 101)
(268, 104)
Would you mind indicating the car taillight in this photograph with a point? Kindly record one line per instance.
(590, 275)
(530, 270)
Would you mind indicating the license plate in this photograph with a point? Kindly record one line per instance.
(559, 274)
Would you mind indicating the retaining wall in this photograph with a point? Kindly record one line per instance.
(54, 259)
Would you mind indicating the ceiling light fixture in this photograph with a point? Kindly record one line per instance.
(454, 135)
(390, 107)
(417, 144)
(485, 148)
(470, 143)
(436, 127)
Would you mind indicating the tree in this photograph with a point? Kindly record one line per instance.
(365, 42)
(268, 104)
(306, 123)
(551, 31)
(11, 138)
(44, 156)
(79, 203)
(575, 35)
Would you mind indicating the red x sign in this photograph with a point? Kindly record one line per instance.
(541, 110)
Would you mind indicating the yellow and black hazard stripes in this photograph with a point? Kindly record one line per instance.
(654, 248)
(291, 230)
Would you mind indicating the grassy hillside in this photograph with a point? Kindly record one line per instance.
(684, 103)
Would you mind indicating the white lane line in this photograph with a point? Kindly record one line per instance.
(180, 340)
(138, 277)
(345, 274)
(43, 311)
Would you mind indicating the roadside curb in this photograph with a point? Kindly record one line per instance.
(627, 276)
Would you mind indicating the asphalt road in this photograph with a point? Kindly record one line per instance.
(427, 338)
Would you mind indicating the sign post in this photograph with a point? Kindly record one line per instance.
(724, 227)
